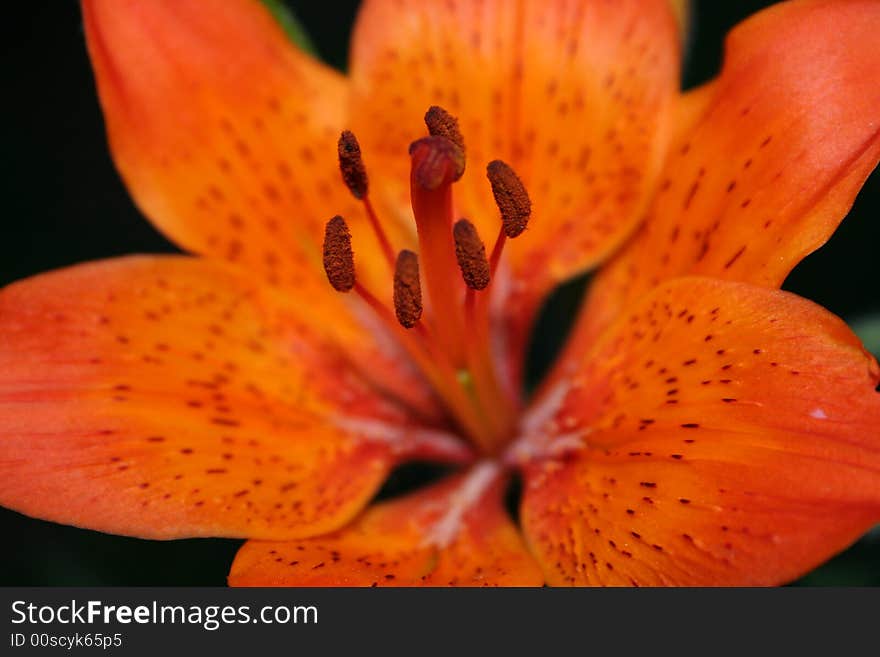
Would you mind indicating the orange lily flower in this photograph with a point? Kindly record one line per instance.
(702, 428)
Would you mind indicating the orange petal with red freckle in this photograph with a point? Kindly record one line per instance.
(574, 96)
(718, 434)
(785, 142)
(224, 132)
(170, 397)
(455, 533)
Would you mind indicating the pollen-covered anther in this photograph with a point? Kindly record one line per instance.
(351, 165)
(407, 289)
(338, 255)
(442, 124)
(511, 197)
(471, 255)
(436, 161)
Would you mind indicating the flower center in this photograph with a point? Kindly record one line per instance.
(448, 337)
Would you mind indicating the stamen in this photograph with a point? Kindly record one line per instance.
(354, 174)
(338, 256)
(510, 196)
(471, 255)
(351, 165)
(442, 124)
(437, 161)
(407, 290)
(452, 346)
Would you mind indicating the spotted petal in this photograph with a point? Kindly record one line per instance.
(455, 533)
(576, 96)
(719, 434)
(786, 140)
(224, 133)
(170, 397)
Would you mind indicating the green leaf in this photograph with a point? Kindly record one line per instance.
(289, 23)
(868, 330)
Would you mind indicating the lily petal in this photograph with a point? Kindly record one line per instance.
(682, 11)
(719, 434)
(455, 533)
(224, 132)
(166, 397)
(576, 96)
(772, 166)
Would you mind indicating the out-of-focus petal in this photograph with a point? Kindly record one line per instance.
(224, 132)
(772, 166)
(170, 397)
(455, 533)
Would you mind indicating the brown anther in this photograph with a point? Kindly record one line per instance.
(436, 161)
(471, 255)
(407, 290)
(510, 196)
(442, 124)
(338, 256)
(351, 165)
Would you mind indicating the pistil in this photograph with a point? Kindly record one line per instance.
(436, 164)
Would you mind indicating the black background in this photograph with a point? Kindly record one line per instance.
(63, 203)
